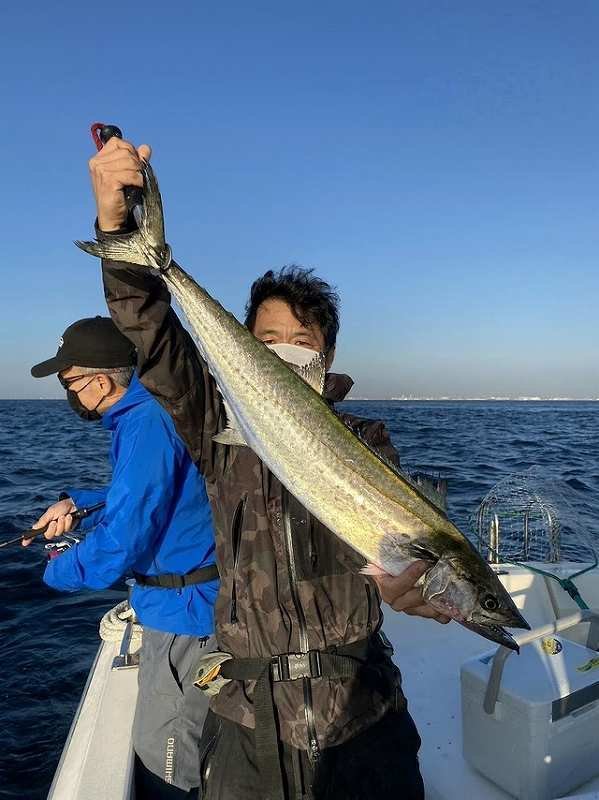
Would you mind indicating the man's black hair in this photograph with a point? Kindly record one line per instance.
(312, 300)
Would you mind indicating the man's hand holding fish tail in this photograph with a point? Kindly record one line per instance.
(116, 166)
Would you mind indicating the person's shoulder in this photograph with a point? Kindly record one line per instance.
(150, 418)
(374, 433)
(371, 430)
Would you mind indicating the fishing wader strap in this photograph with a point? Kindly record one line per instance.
(349, 661)
(201, 575)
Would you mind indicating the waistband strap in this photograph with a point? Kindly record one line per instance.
(167, 581)
(347, 661)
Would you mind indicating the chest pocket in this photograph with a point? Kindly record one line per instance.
(236, 530)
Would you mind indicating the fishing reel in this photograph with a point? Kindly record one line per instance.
(55, 549)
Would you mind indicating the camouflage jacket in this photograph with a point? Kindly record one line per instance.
(284, 576)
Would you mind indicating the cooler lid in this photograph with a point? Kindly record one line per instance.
(551, 670)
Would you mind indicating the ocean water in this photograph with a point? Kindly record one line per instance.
(48, 640)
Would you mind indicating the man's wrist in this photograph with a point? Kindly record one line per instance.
(117, 229)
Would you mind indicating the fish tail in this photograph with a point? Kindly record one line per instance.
(146, 246)
(115, 248)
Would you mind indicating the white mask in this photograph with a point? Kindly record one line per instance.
(294, 353)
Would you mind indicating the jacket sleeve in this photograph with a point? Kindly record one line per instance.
(138, 505)
(84, 498)
(169, 364)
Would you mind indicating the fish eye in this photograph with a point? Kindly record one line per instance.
(489, 603)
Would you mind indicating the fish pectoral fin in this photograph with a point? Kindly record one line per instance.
(419, 551)
(230, 436)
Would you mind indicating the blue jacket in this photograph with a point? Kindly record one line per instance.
(156, 520)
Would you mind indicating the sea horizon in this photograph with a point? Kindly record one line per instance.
(492, 399)
(399, 399)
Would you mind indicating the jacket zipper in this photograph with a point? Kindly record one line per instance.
(369, 600)
(313, 748)
(236, 544)
(206, 760)
(313, 552)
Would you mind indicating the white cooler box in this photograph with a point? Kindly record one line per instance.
(531, 721)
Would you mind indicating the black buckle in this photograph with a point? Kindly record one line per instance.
(292, 666)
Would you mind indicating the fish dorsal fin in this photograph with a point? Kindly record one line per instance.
(432, 487)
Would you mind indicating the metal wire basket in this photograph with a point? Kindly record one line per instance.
(529, 516)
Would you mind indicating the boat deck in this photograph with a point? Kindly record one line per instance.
(97, 762)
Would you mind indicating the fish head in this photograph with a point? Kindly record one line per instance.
(461, 585)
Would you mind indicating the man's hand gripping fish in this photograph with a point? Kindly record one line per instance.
(341, 481)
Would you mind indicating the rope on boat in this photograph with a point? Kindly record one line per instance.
(114, 622)
(567, 584)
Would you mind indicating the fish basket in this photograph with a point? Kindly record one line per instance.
(531, 517)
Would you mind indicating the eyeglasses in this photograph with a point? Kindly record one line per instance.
(67, 382)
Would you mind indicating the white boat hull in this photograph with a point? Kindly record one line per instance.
(97, 759)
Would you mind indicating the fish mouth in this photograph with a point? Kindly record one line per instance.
(518, 621)
(496, 633)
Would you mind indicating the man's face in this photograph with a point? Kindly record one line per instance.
(87, 387)
(277, 324)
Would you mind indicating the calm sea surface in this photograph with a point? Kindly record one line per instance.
(48, 640)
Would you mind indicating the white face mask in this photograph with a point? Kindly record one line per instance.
(294, 353)
(308, 364)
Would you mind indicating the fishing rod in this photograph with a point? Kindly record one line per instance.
(80, 513)
(101, 134)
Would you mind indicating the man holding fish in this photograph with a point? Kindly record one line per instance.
(310, 702)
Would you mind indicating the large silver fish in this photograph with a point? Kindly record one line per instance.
(341, 481)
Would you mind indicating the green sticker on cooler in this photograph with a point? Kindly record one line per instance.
(592, 663)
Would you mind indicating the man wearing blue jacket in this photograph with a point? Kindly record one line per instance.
(156, 524)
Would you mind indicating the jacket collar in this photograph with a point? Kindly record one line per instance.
(135, 395)
(336, 387)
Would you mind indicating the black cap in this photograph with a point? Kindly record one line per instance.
(93, 342)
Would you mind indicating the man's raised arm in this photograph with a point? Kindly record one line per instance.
(169, 364)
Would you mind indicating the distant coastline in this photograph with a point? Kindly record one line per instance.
(409, 399)
(401, 399)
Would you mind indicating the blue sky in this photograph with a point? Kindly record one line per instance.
(437, 161)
